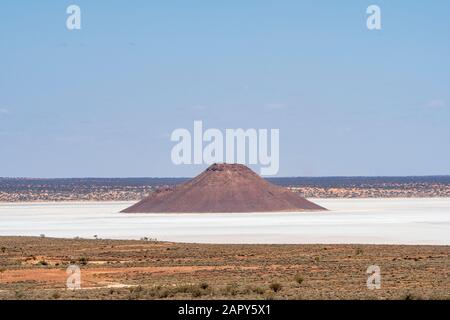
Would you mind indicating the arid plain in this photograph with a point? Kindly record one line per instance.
(35, 268)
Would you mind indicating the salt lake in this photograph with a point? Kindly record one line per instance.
(364, 221)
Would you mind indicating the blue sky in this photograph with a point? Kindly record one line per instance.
(102, 101)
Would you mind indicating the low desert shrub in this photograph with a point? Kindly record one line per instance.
(204, 285)
(231, 289)
(56, 295)
(299, 279)
(196, 292)
(275, 286)
(269, 296)
(258, 290)
(410, 296)
(162, 294)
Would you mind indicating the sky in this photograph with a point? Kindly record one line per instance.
(103, 101)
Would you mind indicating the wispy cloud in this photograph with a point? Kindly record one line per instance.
(4, 111)
(435, 104)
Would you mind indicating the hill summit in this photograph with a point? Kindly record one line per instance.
(223, 188)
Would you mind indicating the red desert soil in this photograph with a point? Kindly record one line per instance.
(224, 188)
(99, 276)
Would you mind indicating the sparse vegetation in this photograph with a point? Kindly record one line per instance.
(159, 292)
(231, 289)
(56, 295)
(149, 239)
(269, 296)
(299, 279)
(143, 270)
(83, 260)
(275, 286)
(410, 296)
(196, 292)
(121, 190)
(162, 294)
(258, 290)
